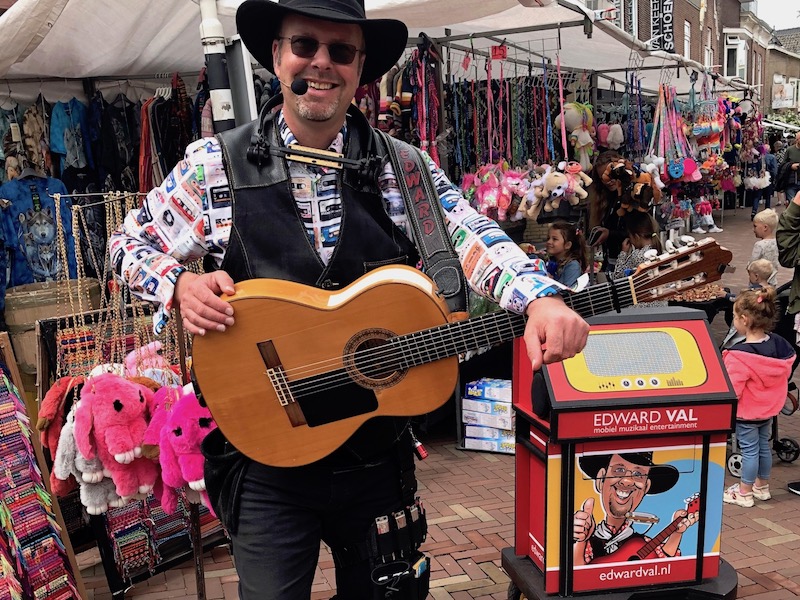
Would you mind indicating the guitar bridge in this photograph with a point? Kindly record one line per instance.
(277, 377)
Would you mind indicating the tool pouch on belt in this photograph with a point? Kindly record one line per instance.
(402, 580)
(400, 570)
(224, 472)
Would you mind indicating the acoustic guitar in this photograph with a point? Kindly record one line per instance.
(641, 549)
(387, 338)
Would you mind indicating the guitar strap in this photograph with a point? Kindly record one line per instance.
(425, 217)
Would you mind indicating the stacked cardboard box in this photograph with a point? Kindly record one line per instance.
(487, 416)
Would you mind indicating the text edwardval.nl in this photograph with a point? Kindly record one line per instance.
(662, 24)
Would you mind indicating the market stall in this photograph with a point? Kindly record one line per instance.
(515, 103)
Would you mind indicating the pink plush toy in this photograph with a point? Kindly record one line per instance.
(163, 401)
(112, 419)
(148, 361)
(186, 426)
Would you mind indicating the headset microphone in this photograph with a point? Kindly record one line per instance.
(299, 86)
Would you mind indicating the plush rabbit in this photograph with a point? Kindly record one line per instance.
(97, 492)
(187, 424)
(51, 412)
(110, 423)
(163, 400)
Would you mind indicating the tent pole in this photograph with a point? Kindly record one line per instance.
(213, 39)
(502, 32)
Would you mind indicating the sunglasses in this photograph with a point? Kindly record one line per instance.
(306, 47)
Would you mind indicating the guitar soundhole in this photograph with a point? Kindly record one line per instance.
(371, 361)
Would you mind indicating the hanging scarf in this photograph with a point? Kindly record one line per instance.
(561, 106)
(549, 123)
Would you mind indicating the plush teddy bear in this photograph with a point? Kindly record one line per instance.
(567, 183)
(110, 422)
(644, 190)
(97, 492)
(531, 205)
(187, 424)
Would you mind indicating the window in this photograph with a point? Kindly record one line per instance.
(687, 39)
(708, 51)
(730, 62)
(736, 57)
(757, 80)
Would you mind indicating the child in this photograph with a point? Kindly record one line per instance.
(758, 274)
(567, 251)
(642, 231)
(642, 236)
(759, 369)
(764, 225)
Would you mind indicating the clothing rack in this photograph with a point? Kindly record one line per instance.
(109, 197)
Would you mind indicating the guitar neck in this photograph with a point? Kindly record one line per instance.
(654, 543)
(426, 346)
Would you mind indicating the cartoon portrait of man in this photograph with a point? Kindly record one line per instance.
(622, 481)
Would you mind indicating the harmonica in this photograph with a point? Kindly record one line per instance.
(637, 517)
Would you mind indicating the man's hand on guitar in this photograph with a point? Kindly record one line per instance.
(553, 331)
(689, 519)
(198, 298)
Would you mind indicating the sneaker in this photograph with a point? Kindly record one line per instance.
(733, 496)
(698, 230)
(794, 487)
(762, 493)
(715, 229)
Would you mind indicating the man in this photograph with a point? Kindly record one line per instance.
(789, 173)
(788, 238)
(779, 151)
(323, 227)
(622, 481)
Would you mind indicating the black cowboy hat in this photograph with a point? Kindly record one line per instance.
(259, 21)
(662, 477)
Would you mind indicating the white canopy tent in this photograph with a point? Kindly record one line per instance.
(76, 39)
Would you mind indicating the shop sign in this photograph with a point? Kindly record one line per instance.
(783, 93)
(662, 25)
(499, 52)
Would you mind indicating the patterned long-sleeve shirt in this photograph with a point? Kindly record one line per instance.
(190, 215)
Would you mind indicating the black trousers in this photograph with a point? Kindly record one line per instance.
(285, 512)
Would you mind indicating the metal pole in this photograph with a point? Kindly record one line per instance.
(213, 38)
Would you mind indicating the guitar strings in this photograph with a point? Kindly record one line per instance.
(380, 355)
(597, 305)
(391, 350)
(474, 331)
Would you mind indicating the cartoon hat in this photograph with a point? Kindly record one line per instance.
(259, 21)
(662, 477)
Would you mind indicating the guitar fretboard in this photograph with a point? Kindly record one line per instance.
(426, 346)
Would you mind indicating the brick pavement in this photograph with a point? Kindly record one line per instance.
(470, 500)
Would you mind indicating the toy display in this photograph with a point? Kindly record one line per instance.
(110, 424)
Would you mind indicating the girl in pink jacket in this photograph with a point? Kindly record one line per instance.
(759, 369)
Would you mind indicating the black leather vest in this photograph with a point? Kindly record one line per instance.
(268, 239)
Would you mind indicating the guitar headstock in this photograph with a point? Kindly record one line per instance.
(693, 503)
(690, 266)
